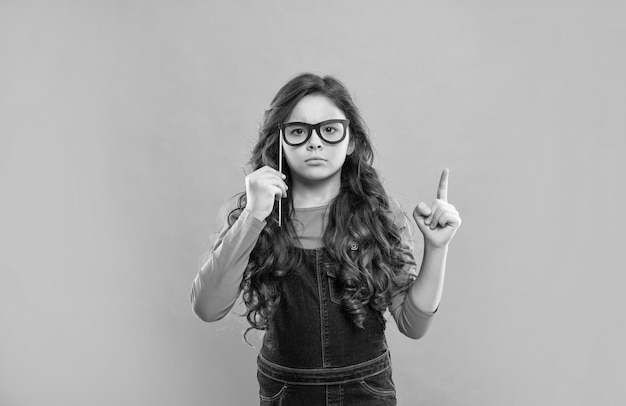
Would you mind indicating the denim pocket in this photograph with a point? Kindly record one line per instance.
(334, 289)
(380, 385)
(270, 390)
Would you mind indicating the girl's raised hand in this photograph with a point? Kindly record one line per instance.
(263, 186)
(439, 222)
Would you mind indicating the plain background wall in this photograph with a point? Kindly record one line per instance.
(124, 127)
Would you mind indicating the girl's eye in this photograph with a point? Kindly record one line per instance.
(329, 130)
(297, 131)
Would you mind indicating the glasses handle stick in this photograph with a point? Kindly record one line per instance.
(280, 169)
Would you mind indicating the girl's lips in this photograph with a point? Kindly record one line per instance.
(315, 158)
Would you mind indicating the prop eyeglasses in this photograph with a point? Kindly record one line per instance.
(330, 131)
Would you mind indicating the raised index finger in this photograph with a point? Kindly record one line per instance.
(442, 192)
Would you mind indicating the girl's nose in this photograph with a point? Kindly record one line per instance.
(315, 142)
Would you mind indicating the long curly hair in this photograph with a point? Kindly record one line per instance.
(359, 214)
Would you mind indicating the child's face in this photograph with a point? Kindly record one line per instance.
(316, 160)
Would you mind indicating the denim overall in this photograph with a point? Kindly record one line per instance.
(312, 353)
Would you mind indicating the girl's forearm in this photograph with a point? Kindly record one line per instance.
(215, 290)
(216, 287)
(427, 289)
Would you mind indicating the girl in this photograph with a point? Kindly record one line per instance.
(320, 252)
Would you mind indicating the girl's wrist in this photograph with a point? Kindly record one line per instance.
(255, 214)
(432, 247)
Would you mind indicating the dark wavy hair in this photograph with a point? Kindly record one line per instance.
(359, 214)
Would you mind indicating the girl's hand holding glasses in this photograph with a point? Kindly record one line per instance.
(439, 222)
(263, 187)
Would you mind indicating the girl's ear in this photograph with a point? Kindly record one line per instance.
(351, 146)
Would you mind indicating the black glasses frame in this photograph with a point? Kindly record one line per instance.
(316, 127)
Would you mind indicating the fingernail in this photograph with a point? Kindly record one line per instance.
(427, 222)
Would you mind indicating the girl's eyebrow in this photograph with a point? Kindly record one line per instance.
(309, 121)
